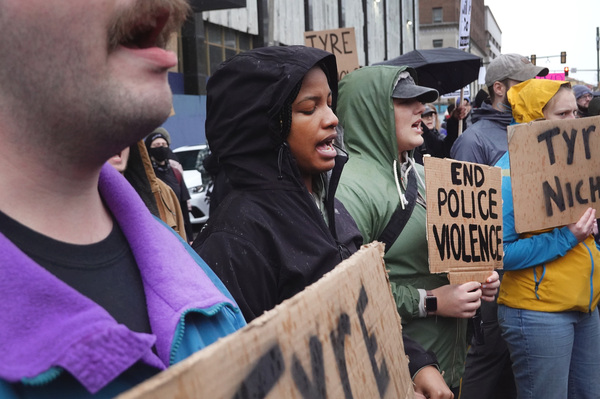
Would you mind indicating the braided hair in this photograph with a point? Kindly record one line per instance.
(285, 116)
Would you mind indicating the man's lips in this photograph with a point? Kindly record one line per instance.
(162, 59)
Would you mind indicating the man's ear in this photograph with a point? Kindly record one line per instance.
(499, 89)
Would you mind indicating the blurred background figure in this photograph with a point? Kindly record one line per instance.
(436, 143)
(157, 144)
(583, 95)
(594, 107)
(134, 163)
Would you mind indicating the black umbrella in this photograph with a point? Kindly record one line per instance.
(444, 69)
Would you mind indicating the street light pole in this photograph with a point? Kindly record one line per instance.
(598, 55)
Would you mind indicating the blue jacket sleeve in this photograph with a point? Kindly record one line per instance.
(521, 253)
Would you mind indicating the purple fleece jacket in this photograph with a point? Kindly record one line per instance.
(45, 323)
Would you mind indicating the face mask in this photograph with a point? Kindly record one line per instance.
(160, 154)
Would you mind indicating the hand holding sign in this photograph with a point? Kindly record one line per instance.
(585, 225)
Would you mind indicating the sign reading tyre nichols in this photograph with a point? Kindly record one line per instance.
(339, 338)
(341, 42)
(555, 171)
(464, 219)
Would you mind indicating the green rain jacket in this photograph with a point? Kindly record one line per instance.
(368, 190)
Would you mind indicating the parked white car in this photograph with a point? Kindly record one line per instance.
(191, 157)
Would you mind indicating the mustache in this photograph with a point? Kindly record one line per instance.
(145, 16)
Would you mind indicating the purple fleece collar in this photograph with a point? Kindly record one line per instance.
(45, 323)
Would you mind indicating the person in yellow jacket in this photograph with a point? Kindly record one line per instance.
(549, 295)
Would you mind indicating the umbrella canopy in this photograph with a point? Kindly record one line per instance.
(444, 69)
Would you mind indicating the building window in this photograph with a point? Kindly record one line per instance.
(438, 15)
(438, 43)
(224, 43)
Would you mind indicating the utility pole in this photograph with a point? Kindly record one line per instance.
(598, 55)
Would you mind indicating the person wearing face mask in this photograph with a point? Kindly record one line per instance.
(157, 144)
(134, 163)
(547, 304)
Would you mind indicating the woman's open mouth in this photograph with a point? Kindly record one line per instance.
(326, 148)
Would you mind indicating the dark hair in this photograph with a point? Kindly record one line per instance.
(491, 88)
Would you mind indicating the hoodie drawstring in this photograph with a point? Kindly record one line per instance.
(280, 161)
(403, 201)
(405, 175)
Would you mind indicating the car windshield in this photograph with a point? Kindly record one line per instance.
(188, 159)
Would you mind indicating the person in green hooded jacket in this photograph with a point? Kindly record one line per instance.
(380, 110)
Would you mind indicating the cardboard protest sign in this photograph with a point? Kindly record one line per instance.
(339, 338)
(555, 171)
(464, 219)
(341, 42)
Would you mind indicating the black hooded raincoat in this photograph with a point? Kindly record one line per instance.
(267, 239)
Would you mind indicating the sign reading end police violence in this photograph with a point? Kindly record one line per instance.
(555, 171)
(464, 219)
(341, 42)
(339, 338)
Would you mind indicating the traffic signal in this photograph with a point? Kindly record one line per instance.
(532, 59)
(566, 71)
(563, 57)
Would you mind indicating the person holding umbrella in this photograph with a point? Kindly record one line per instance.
(380, 109)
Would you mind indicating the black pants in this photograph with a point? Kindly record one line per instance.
(488, 369)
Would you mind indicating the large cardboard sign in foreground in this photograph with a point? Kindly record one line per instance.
(339, 338)
(464, 219)
(555, 171)
(341, 42)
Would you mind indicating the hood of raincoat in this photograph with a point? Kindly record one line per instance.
(245, 99)
(366, 111)
(529, 98)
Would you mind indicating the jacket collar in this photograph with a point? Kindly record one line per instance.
(45, 323)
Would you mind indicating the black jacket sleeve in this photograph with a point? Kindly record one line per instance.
(418, 357)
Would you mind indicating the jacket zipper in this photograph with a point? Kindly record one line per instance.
(180, 331)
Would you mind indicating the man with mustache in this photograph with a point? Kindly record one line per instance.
(96, 295)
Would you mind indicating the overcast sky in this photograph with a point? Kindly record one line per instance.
(548, 27)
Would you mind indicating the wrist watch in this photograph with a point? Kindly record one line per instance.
(430, 302)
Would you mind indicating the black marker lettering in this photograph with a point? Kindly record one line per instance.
(263, 377)
(553, 196)
(547, 136)
(570, 145)
(338, 343)
(382, 376)
(316, 389)
(586, 140)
